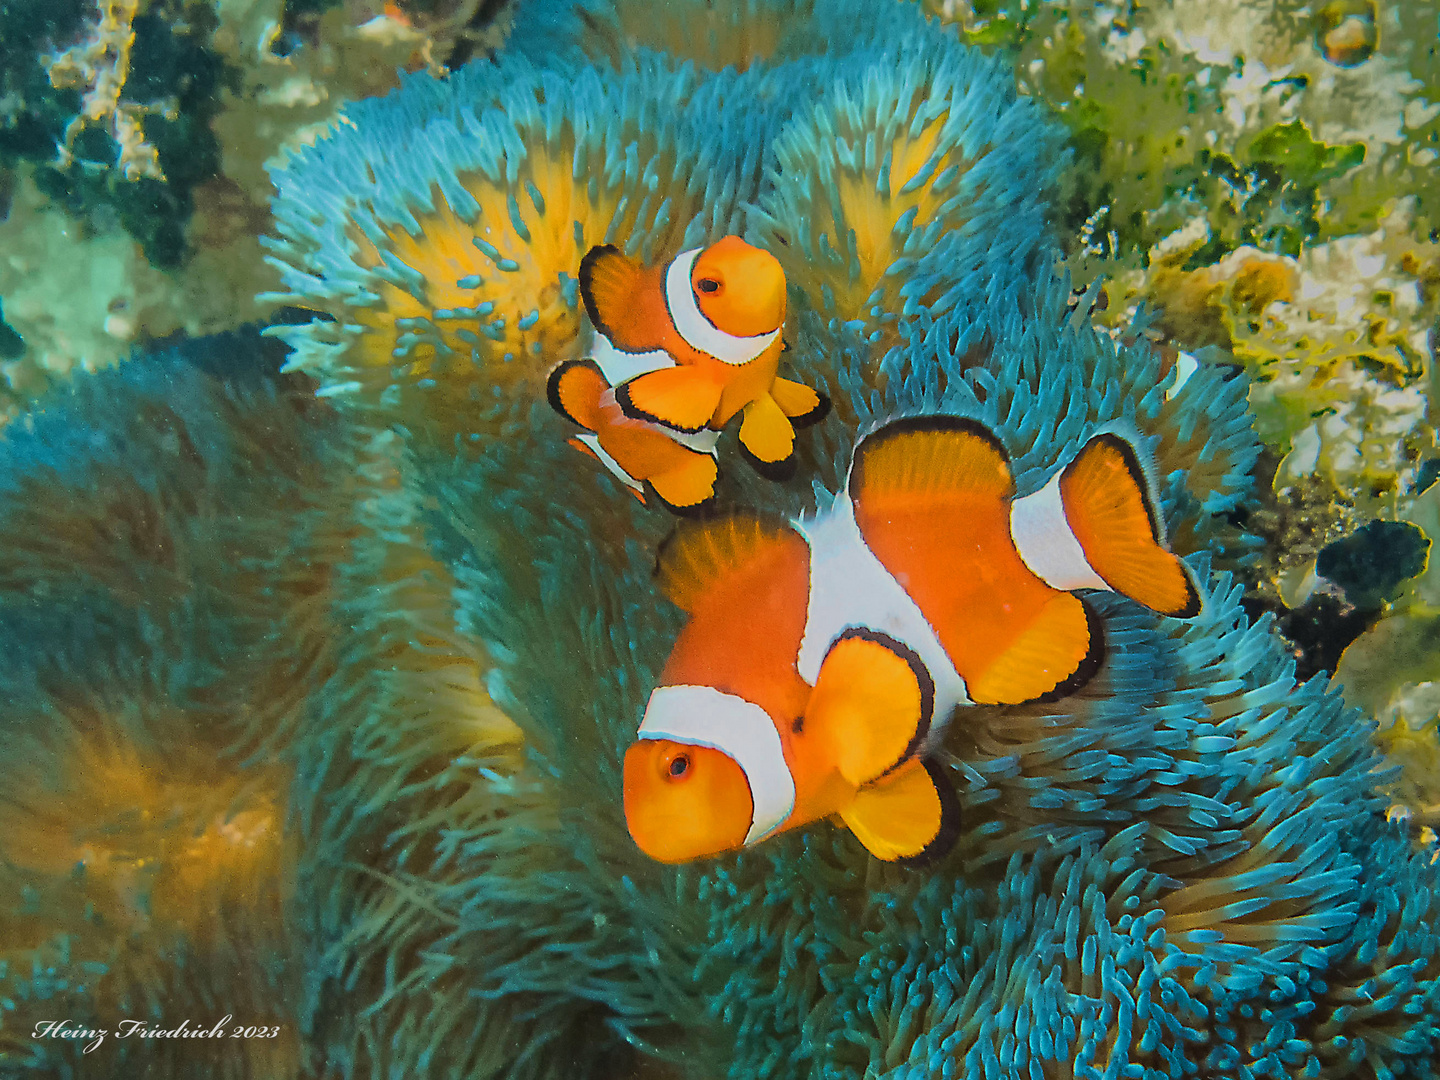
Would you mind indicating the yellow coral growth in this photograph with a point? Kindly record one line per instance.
(1416, 750)
(1335, 341)
(101, 66)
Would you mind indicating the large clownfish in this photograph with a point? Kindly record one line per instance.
(679, 351)
(823, 658)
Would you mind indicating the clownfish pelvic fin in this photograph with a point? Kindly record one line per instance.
(687, 488)
(767, 434)
(767, 439)
(804, 405)
(910, 816)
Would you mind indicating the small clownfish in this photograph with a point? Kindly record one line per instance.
(684, 348)
(823, 658)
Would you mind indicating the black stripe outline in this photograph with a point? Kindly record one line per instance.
(1195, 603)
(586, 276)
(949, 829)
(1137, 473)
(815, 415)
(775, 471)
(1087, 667)
(702, 509)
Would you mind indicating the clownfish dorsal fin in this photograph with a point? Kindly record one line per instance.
(1057, 653)
(695, 557)
(1109, 508)
(931, 456)
(910, 816)
(872, 704)
(623, 301)
(574, 389)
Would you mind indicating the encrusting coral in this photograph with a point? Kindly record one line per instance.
(1184, 868)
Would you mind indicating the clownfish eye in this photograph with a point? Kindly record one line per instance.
(708, 285)
(679, 766)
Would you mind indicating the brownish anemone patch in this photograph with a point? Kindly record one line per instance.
(713, 36)
(164, 872)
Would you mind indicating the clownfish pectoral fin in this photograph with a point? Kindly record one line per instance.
(622, 302)
(689, 487)
(574, 389)
(1109, 509)
(767, 439)
(1057, 653)
(695, 557)
(910, 816)
(802, 404)
(872, 704)
(680, 397)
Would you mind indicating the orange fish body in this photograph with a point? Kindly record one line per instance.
(682, 349)
(679, 469)
(823, 658)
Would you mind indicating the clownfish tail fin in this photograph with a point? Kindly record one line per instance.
(574, 389)
(1109, 507)
(688, 488)
(910, 816)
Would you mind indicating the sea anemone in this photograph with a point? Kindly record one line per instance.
(428, 627)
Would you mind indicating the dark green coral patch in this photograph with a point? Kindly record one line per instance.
(11, 343)
(1429, 472)
(171, 90)
(1304, 160)
(1372, 563)
(1317, 631)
